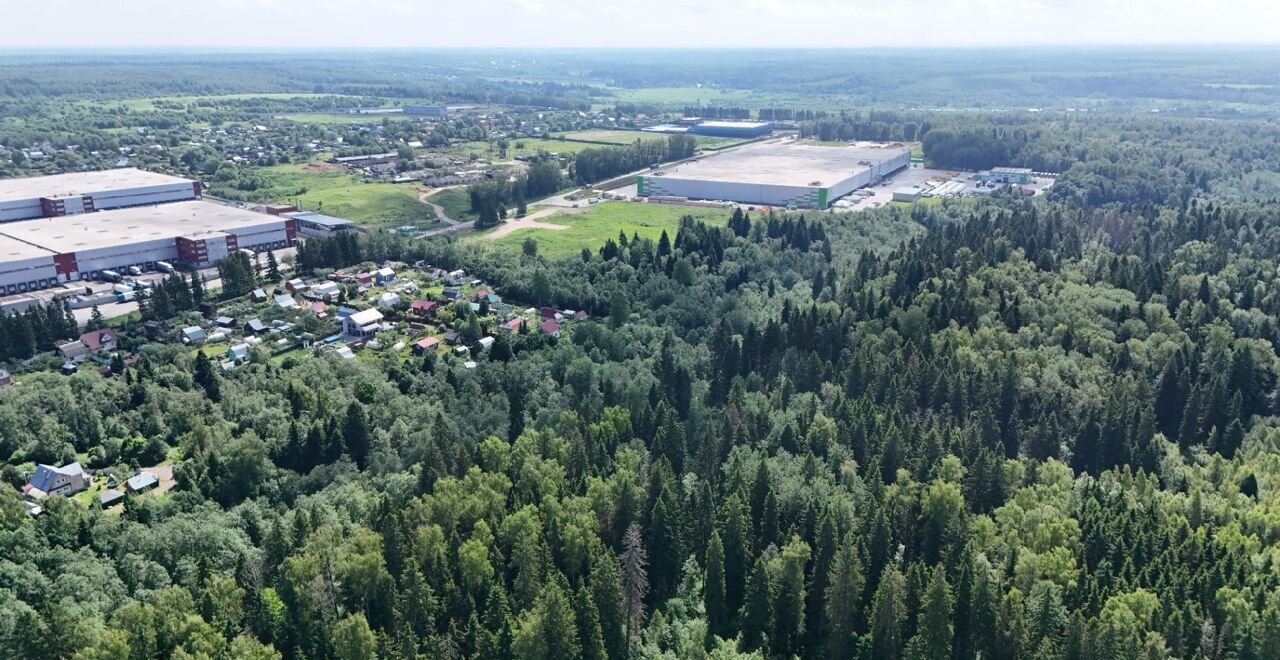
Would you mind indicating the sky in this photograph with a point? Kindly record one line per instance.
(252, 24)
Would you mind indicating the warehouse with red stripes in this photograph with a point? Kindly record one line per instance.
(70, 227)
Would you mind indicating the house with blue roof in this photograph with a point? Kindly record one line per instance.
(50, 480)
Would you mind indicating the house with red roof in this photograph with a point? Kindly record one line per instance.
(426, 344)
(99, 340)
(551, 327)
(423, 307)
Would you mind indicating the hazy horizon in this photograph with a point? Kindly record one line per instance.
(659, 24)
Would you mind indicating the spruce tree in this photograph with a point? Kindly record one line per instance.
(935, 619)
(757, 610)
(789, 603)
(590, 636)
(713, 590)
(355, 434)
(606, 593)
(842, 601)
(888, 612)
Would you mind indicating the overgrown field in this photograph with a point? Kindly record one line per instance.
(336, 192)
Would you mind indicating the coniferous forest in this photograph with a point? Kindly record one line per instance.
(997, 428)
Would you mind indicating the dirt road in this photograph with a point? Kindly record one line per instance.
(531, 221)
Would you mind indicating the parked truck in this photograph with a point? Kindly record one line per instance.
(164, 266)
(110, 276)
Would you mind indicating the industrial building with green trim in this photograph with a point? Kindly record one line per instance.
(787, 174)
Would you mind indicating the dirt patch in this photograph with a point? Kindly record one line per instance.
(521, 224)
(531, 221)
(163, 474)
(319, 167)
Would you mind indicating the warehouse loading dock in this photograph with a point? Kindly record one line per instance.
(36, 254)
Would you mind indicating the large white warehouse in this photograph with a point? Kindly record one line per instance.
(778, 174)
(39, 253)
(85, 192)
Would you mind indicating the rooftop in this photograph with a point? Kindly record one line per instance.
(318, 219)
(80, 183)
(735, 124)
(365, 317)
(786, 164)
(12, 249)
(122, 226)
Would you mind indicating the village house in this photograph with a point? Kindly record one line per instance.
(238, 352)
(99, 340)
(110, 497)
(72, 351)
(193, 335)
(49, 480)
(362, 324)
(140, 482)
(426, 344)
(423, 307)
(384, 275)
(327, 291)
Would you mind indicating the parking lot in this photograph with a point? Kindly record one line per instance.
(911, 176)
(19, 302)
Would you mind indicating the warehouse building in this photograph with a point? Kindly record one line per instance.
(733, 129)
(778, 174)
(432, 111)
(35, 254)
(1006, 175)
(318, 225)
(85, 192)
(909, 194)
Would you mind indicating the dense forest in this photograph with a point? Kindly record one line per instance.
(996, 428)
(1002, 428)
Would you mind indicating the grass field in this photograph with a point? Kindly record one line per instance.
(338, 193)
(610, 136)
(150, 103)
(455, 202)
(339, 118)
(592, 227)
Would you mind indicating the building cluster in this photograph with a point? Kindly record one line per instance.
(93, 225)
(72, 478)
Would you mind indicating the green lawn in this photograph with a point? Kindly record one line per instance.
(600, 222)
(339, 118)
(610, 136)
(455, 202)
(339, 193)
